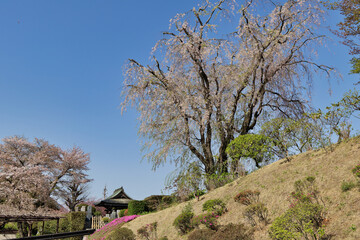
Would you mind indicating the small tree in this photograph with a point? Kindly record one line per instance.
(254, 146)
(290, 136)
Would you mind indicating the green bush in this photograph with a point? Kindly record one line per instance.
(256, 210)
(208, 219)
(122, 213)
(356, 170)
(304, 220)
(73, 221)
(121, 234)
(183, 222)
(310, 179)
(106, 220)
(215, 205)
(50, 226)
(10, 227)
(233, 232)
(136, 207)
(197, 194)
(76, 222)
(201, 234)
(97, 213)
(346, 186)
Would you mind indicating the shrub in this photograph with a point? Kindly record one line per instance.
(149, 231)
(305, 191)
(196, 220)
(356, 170)
(97, 213)
(346, 186)
(73, 221)
(208, 219)
(201, 234)
(106, 220)
(152, 202)
(183, 221)
(136, 207)
(257, 210)
(247, 197)
(310, 179)
(76, 222)
(121, 234)
(232, 232)
(197, 194)
(307, 187)
(215, 205)
(301, 221)
(126, 212)
(10, 227)
(299, 197)
(122, 212)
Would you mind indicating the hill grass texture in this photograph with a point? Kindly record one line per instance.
(275, 183)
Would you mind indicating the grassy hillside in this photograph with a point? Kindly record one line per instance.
(275, 183)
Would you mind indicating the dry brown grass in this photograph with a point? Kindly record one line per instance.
(275, 182)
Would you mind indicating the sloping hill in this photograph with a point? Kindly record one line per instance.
(276, 182)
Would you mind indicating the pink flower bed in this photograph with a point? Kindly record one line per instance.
(101, 233)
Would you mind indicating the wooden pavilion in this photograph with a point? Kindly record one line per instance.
(117, 201)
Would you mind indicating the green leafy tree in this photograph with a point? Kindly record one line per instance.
(290, 136)
(336, 117)
(254, 146)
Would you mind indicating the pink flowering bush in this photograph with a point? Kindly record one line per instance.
(102, 233)
(208, 219)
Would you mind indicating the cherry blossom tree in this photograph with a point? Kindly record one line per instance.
(204, 88)
(33, 174)
(74, 192)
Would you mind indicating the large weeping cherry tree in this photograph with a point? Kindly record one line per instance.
(204, 88)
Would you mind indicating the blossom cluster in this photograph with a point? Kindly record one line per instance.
(208, 219)
(110, 226)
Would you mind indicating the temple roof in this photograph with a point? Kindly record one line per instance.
(119, 194)
(118, 199)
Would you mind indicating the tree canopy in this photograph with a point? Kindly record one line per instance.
(34, 174)
(204, 88)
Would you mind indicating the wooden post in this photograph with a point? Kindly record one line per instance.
(20, 227)
(30, 229)
(57, 225)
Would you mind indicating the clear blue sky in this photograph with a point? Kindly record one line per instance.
(61, 73)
